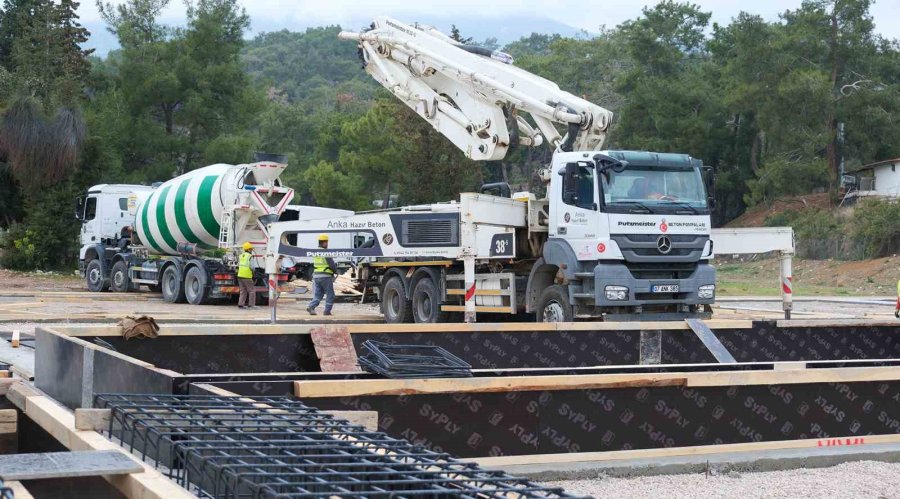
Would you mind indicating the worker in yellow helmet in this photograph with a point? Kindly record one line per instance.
(323, 279)
(897, 306)
(245, 278)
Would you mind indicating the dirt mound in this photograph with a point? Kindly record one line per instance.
(756, 216)
(45, 281)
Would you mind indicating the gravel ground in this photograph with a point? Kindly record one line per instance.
(863, 479)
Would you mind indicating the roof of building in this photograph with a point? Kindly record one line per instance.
(872, 166)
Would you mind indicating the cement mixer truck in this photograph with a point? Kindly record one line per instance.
(181, 237)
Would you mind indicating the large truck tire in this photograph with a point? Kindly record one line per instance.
(93, 275)
(196, 290)
(119, 281)
(426, 302)
(554, 306)
(394, 305)
(172, 288)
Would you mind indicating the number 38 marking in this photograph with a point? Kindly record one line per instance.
(502, 245)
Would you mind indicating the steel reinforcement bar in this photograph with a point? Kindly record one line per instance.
(231, 447)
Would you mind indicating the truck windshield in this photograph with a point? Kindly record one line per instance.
(660, 190)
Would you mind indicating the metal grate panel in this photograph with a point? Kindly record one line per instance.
(252, 447)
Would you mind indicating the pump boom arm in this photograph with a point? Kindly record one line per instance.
(477, 99)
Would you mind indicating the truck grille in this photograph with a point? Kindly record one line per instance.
(424, 232)
(643, 248)
(661, 270)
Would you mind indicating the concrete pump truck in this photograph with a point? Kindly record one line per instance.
(619, 235)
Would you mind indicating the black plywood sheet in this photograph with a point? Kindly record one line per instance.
(541, 422)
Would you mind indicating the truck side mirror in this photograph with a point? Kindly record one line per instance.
(79, 208)
(709, 179)
(604, 163)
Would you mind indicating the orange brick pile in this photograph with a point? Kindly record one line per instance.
(334, 349)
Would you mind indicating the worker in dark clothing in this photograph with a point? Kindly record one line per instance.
(323, 279)
(245, 278)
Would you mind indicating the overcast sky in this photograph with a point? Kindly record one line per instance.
(510, 18)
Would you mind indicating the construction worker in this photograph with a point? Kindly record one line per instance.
(245, 278)
(323, 279)
(897, 306)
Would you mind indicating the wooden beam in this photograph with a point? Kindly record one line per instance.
(699, 450)
(92, 419)
(8, 421)
(19, 490)
(60, 423)
(531, 327)
(353, 388)
(362, 387)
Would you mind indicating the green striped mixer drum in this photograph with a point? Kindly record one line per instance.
(189, 209)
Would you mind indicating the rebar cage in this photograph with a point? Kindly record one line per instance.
(253, 447)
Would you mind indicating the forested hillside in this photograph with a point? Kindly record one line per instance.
(764, 102)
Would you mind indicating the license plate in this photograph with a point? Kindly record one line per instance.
(665, 288)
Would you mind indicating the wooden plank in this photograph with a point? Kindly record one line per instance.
(59, 422)
(189, 329)
(836, 375)
(8, 421)
(22, 373)
(19, 491)
(699, 450)
(478, 327)
(6, 383)
(353, 388)
(19, 393)
(836, 322)
(44, 465)
(711, 341)
(92, 419)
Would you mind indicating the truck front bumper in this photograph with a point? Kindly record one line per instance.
(640, 290)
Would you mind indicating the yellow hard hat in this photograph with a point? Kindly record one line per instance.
(248, 246)
(323, 237)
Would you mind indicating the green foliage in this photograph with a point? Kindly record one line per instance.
(183, 88)
(332, 188)
(45, 240)
(230, 149)
(782, 177)
(313, 66)
(874, 223)
(761, 101)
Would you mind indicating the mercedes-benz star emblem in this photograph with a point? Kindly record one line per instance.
(664, 244)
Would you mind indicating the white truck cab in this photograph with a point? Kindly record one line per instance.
(631, 230)
(104, 211)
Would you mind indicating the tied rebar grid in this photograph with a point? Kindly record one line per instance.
(250, 447)
(412, 361)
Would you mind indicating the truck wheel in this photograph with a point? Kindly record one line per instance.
(118, 278)
(394, 305)
(172, 290)
(553, 305)
(426, 303)
(93, 274)
(195, 290)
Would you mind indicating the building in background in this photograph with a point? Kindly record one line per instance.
(880, 179)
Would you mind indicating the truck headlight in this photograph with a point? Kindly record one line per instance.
(616, 293)
(706, 292)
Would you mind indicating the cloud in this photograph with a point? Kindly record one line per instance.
(267, 15)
